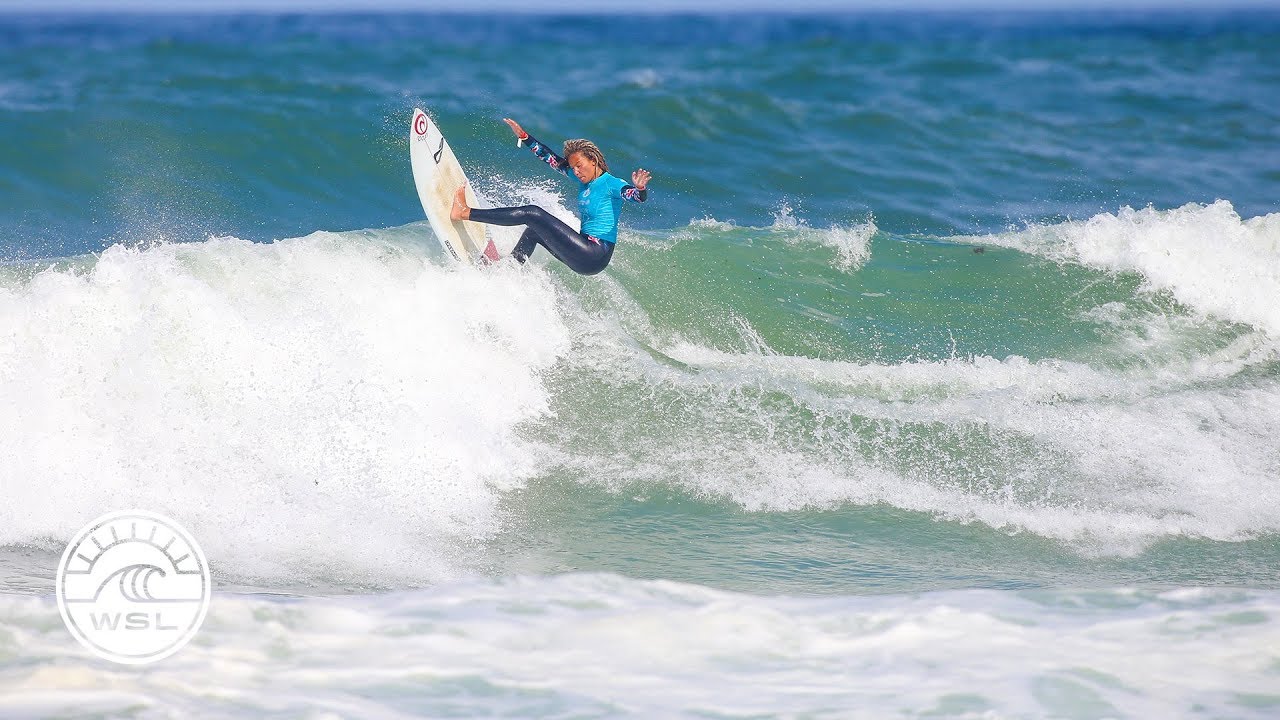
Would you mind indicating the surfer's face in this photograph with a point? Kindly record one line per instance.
(585, 168)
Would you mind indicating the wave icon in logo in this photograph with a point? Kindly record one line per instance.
(133, 587)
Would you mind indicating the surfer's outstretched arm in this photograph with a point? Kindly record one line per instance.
(638, 190)
(543, 152)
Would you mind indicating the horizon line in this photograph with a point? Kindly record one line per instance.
(666, 7)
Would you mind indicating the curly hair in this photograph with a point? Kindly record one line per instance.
(588, 149)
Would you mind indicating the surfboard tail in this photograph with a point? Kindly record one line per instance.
(437, 175)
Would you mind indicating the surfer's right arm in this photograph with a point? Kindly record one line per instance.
(543, 152)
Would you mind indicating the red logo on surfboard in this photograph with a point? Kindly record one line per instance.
(420, 125)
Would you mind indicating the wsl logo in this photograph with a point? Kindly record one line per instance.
(133, 587)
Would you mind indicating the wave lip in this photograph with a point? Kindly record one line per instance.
(852, 243)
(1206, 256)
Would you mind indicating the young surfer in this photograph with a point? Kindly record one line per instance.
(600, 197)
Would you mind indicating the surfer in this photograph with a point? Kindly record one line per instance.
(600, 197)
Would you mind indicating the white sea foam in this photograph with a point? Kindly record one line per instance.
(646, 78)
(1108, 460)
(851, 243)
(1205, 256)
(711, 223)
(327, 391)
(596, 645)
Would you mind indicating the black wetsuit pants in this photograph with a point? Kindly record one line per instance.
(583, 254)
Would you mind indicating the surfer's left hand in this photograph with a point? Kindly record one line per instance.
(640, 178)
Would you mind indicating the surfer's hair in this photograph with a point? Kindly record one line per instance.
(588, 149)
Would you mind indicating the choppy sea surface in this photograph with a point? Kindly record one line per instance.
(938, 377)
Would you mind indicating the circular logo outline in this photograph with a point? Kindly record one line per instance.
(420, 125)
(135, 586)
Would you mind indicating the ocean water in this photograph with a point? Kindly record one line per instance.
(939, 376)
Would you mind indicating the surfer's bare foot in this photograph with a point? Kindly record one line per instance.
(460, 211)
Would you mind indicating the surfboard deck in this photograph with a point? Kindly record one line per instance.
(437, 174)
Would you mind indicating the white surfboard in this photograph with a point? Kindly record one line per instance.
(437, 175)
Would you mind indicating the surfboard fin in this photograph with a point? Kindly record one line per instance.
(491, 252)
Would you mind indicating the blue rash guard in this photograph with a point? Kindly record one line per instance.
(599, 201)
